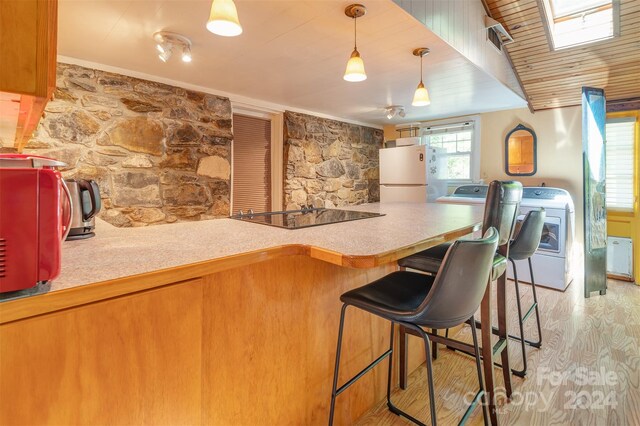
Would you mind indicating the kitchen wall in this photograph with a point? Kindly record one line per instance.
(159, 153)
(559, 133)
(329, 163)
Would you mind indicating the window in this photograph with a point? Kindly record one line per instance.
(572, 22)
(457, 145)
(619, 163)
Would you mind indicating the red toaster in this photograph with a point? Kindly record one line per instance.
(35, 217)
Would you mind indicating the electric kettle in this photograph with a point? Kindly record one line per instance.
(85, 197)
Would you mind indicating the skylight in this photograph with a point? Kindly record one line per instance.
(573, 23)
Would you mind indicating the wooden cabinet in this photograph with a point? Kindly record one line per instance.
(28, 37)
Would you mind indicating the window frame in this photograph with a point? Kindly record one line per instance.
(548, 20)
(475, 144)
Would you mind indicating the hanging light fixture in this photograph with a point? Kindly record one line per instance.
(166, 42)
(421, 97)
(223, 19)
(355, 66)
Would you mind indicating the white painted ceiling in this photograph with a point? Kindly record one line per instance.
(291, 53)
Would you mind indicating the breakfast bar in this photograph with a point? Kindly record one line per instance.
(210, 322)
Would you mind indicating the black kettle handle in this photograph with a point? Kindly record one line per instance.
(92, 188)
(96, 194)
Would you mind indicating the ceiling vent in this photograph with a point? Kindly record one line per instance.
(494, 39)
(497, 33)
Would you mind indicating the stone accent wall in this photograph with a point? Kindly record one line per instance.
(329, 163)
(159, 153)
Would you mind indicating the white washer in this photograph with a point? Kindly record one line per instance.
(552, 265)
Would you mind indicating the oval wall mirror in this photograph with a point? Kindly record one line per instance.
(520, 152)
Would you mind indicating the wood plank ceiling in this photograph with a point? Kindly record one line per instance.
(553, 79)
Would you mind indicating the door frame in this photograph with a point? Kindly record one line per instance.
(277, 148)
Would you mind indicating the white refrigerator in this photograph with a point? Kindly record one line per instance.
(410, 174)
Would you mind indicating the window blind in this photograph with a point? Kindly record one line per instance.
(448, 128)
(619, 163)
(251, 185)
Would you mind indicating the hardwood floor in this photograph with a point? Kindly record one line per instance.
(587, 371)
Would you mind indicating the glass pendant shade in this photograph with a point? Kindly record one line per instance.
(223, 19)
(421, 97)
(355, 68)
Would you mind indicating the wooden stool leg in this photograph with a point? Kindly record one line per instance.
(502, 331)
(487, 354)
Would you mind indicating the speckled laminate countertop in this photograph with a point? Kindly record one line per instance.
(115, 253)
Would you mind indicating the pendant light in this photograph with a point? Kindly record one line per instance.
(355, 66)
(421, 97)
(223, 19)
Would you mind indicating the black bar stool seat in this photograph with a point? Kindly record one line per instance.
(414, 300)
(395, 295)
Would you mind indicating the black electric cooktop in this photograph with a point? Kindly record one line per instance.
(296, 219)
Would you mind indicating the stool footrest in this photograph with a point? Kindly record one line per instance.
(363, 372)
(471, 407)
(529, 312)
(398, 412)
(450, 343)
(499, 346)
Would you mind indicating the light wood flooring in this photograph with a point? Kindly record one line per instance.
(586, 373)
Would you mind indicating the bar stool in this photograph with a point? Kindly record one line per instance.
(501, 210)
(416, 300)
(523, 246)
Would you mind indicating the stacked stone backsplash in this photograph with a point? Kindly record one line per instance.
(329, 163)
(159, 153)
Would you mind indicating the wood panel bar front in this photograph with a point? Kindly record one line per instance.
(212, 322)
(250, 345)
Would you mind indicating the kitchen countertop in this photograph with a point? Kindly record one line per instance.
(120, 256)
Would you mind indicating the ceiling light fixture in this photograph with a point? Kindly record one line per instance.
(223, 19)
(393, 110)
(166, 54)
(421, 97)
(166, 42)
(355, 66)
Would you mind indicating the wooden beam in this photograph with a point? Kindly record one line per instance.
(623, 105)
